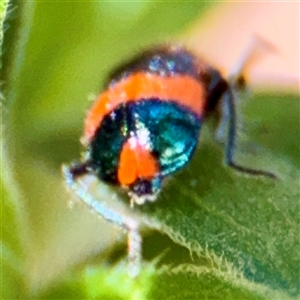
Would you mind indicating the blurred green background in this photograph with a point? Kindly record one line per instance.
(243, 231)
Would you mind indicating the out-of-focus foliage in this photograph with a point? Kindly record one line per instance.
(229, 236)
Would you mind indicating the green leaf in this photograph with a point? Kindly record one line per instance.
(13, 285)
(249, 223)
(3, 10)
(225, 235)
(13, 218)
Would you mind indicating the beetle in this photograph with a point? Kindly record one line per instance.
(145, 126)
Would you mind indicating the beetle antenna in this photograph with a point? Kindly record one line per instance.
(257, 48)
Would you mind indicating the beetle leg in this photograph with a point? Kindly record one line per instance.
(130, 225)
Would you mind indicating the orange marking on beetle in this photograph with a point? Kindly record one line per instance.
(136, 162)
(183, 89)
